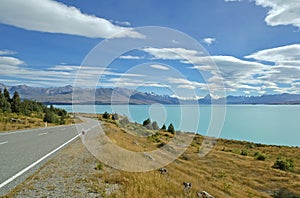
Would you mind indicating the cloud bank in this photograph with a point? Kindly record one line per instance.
(54, 17)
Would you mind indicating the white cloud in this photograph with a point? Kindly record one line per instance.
(171, 53)
(65, 68)
(131, 57)
(209, 41)
(55, 17)
(282, 12)
(187, 84)
(8, 62)
(287, 55)
(123, 23)
(7, 52)
(161, 67)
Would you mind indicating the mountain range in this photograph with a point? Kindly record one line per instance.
(75, 95)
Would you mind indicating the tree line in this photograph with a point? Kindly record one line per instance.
(26, 107)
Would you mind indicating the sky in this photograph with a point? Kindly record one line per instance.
(185, 49)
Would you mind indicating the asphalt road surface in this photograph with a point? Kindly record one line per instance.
(23, 152)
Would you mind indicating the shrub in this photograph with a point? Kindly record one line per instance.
(106, 115)
(155, 137)
(171, 128)
(244, 152)
(99, 166)
(284, 164)
(147, 122)
(260, 156)
(163, 127)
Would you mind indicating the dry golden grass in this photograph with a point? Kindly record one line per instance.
(224, 172)
(13, 121)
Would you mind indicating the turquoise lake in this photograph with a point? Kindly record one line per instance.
(267, 124)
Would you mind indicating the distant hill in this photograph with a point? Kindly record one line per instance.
(284, 98)
(63, 95)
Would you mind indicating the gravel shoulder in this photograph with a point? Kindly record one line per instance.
(71, 173)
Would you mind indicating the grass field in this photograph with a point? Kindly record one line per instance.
(13, 121)
(229, 170)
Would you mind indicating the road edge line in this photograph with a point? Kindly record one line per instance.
(35, 163)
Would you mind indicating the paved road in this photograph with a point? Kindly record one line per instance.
(25, 151)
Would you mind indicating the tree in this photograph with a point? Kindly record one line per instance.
(163, 127)
(6, 106)
(6, 95)
(155, 126)
(1, 99)
(147, 124)
(16, 103)
(171, 128)
(49, 116)
(106, 115)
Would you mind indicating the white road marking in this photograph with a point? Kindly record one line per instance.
(35, 163)
(43, 133)
(31, 130)
(3, 143)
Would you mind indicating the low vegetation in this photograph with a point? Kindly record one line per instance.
(231, 169)
(285, 164)
(17, 114)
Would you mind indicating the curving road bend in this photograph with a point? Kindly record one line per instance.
(22, 152)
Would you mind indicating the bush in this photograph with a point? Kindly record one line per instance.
(99, 166)
(106, 115)
(147, 123)
(244, 152)
(260, 156)
(163, 127)
(284, 164)
(171, 128)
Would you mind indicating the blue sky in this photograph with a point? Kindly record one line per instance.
(253, 47)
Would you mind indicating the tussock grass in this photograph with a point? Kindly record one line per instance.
(13, 121)
(224, 172)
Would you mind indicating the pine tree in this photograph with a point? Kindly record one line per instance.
(6, 95)
(163, 127)
(147, 122)
(4, 103)
(1, 99)
(16, 103)
(171, 128)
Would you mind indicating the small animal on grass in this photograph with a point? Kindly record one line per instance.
(163, 171)
(204, 194)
